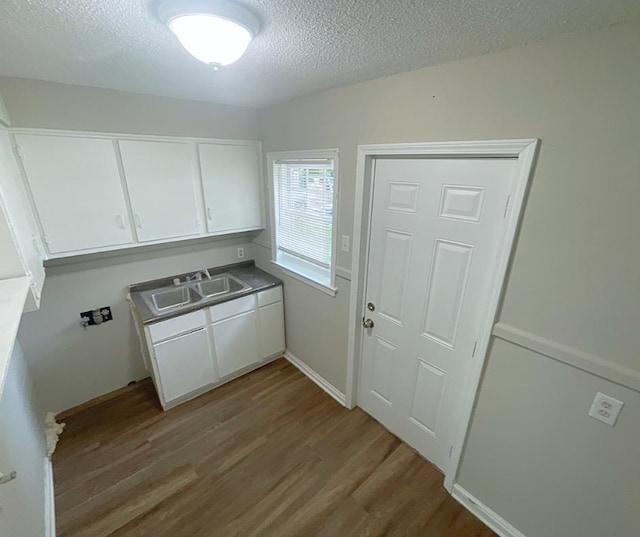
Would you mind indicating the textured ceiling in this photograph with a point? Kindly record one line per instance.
(304, 45)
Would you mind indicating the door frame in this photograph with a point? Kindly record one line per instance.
(524, 151)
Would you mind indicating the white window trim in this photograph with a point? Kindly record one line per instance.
(298, 272)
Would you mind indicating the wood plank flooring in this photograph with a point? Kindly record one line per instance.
(268, 454)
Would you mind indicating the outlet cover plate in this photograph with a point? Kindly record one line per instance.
(605, 409)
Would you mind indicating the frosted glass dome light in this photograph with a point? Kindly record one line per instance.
(216, 32)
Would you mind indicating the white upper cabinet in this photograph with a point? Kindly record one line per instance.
(160, 181)
(94, 192)
(77, 191)
(232, 186)
(20, 247)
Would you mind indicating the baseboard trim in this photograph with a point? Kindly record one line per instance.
(49, 500)
(69, 412)
(320, 381)
(566, 354)
(490, 518)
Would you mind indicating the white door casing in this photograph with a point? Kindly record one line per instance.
(522, 153)
(435, 229)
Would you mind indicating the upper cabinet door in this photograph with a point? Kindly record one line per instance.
(77, 191)
(232, 187)
(26, 247)
(160, 180)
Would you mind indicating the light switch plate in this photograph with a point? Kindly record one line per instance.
(346, 240)
(605, 409)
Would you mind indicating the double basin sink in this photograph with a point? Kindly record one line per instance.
(179, 296)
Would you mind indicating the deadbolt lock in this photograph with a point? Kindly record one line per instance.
(371, 306)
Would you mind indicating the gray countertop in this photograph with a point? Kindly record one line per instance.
(259, 280)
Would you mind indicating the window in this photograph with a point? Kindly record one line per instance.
(304, 191)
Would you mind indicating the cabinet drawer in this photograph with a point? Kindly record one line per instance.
(270, 296)
(177, 325)
(233, 307)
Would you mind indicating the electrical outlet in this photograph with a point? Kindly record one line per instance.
(240, 253)
(605, 409)
(345, 243)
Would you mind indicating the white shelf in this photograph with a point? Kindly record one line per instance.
(13, 294)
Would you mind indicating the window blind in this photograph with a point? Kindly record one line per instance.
(304, 204)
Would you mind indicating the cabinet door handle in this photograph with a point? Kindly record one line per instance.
(138, 221)
(120, 221)
(209, 213)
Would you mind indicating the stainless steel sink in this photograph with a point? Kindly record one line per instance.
(170, 298)
(221, 284)
(174, 298)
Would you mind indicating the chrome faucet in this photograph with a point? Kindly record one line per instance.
(198, 275)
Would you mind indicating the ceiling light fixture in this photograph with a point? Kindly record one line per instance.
(216, 32)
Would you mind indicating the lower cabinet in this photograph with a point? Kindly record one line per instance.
(236, 343)
(196, 351)
(184, 364)
(271, 329)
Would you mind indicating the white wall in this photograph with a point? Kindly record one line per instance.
(574, 278)
(23, 449)
(535, 457)
(48, 105)
(70, 365)
(579, 95)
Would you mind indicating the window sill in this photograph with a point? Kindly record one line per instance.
(326, 289)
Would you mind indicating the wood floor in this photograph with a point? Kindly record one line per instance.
(268, 454)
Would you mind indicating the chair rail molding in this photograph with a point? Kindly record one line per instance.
(569, 355)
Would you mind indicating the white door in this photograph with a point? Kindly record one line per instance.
(160, 180)
(77, 191)
(232, 186)
(184, 364)
(435, 232)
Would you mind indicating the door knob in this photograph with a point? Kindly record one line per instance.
(367, 323)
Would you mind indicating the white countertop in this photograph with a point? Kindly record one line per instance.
(13, 294)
